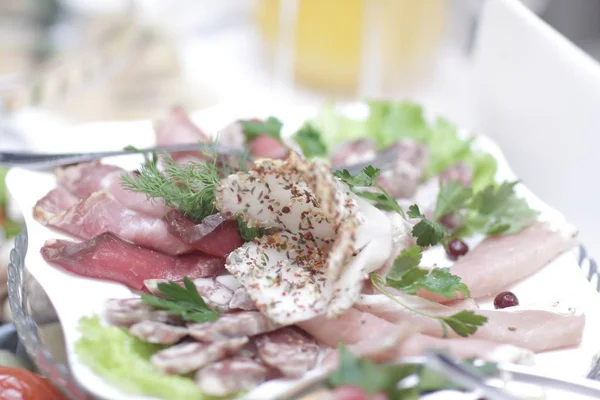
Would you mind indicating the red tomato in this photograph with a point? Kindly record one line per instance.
(20, 384)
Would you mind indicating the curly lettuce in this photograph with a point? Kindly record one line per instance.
(124, 361)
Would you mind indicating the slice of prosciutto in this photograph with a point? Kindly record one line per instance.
(128, 312)
(232, 325)
(110, 258)
(500, 261)
(188, 357)
(84, 179)
(56, 201)
(402, 179)
(112, 183)
(289, 350)
(325, 243)
(157, 332)
(231, 376)
(216, 234)
(241, 300)
(101, 212)
(535, 329)
(177, 128)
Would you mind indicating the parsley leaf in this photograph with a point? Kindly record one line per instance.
(271, 127)
(310, 141)
(371, 377)
(405, 275)
(465, 323)
(496, 209)
(185, 301)
(452, 197)
(427, 232)
(409, 258)
(374, 378)
(367, 177)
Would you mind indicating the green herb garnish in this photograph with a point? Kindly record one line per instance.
(184, 301)
(376, 378)
(310, 141)
(271, 127)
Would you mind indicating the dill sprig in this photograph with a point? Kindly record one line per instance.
(188, 187)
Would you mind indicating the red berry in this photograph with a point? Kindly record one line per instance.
(349, 393)
(506, 299)
(456, 248)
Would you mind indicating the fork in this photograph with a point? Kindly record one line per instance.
(384, 160)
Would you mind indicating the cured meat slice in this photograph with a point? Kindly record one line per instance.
(127, 312)
(101, 213)
(498, 262)
(231, 376)
(216, 234)
(108, 257)
(241, 324)
(402, 179)
(177, 128)
(264, 146)
(241, 300)
(529, 328)
(357, 151)
(56, 201)
(215, 290)
(188, 357)
(86, 178)
(289, 350)
(157, 332)
(112, 183)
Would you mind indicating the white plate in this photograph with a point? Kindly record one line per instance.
(74, 297)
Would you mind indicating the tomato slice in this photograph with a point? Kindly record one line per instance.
(20, 384)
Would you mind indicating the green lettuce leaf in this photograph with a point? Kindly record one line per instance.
(124, 361)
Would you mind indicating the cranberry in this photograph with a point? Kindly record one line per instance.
(456, 248)
(506, 299)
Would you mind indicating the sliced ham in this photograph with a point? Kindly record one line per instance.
(86, 178)
(357, 151)
(241, 324)
(354, 327)
(101, 212)
(177, 128)
(112, 183)
(289, 350)
(403, 178)
(216, 234)
(188, 357)
(110, 258)
(157, 332)
(500, 261)
(128, 312)
(56, 201)
(530, 328)
(264, 146)
(486, 350)
(231, 376)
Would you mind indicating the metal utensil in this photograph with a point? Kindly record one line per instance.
(384, 159)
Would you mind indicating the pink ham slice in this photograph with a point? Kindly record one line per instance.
(56, 201)
(84, 179)
(264, 146)
(110, 258)
(100, 213)
(188, 357)
(241, 324)
(157, 332)
(533, 329)
(132, 200)
(216, 234)
(501, 261)
(241, 300)
(177, 128)
(289, 350)
(231, 376)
